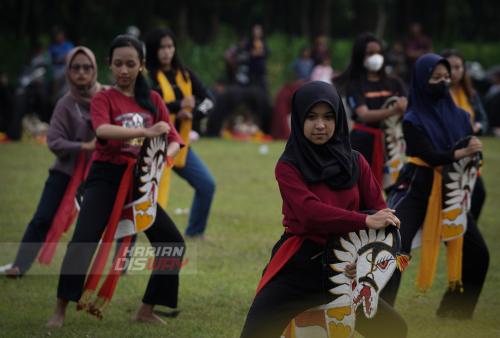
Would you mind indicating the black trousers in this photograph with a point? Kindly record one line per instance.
(100, 192)
(478, 198)
(296, 288)
(411, 210)
(38, 228)
(29, 99)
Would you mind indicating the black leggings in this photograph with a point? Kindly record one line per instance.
(478, 198)
(100, 193)
(411, 211)
(40, 224)
(296, 288)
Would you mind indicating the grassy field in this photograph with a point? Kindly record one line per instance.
(245, 223)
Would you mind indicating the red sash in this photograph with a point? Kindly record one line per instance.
(283, 255)
(378, 150)
(67, 212)
(107, 289)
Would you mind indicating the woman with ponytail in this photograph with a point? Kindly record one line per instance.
(122, 117)
(188, 101)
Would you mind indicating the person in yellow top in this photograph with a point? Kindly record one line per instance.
(188, 101)
(467, 98)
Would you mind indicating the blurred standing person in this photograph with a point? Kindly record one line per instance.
(237, 58)
(323, 71)
(136, 33)
(416, 45)
(58, 50)
(70, 135)
(320, 50)
(494, 88)
(33, 96)
(492, 104)
(467, 98)
(187, 99)
(41, 58)
(367, 86)
(303, 66)
(396, 61)
(6, 106)
(259, 51)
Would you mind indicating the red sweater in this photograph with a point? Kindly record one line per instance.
(316, 209)
(113, 107)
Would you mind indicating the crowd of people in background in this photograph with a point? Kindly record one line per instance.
(43, 82)
(440, 108)
(40, 85)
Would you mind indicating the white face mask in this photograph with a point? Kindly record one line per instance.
(374, 62)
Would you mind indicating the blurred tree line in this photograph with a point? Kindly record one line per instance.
(27, 23)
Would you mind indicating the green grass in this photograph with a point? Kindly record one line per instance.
(245, 222)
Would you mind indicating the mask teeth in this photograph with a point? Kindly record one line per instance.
(403, 261)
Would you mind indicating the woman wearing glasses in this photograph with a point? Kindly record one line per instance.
(70, 133)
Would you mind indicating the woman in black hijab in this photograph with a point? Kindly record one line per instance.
(323, 183)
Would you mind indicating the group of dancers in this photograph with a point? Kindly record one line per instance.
(326, 175)
(96, 129)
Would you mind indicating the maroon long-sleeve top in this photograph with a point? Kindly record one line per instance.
(314, 208)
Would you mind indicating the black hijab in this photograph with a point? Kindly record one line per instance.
(333, 162)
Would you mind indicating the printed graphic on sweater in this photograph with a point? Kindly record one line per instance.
(134, 120)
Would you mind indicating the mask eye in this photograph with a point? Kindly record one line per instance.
(383, 265)
(384, 262)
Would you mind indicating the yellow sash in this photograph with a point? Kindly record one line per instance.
(184, 129)
(462, 101)
(431, 238)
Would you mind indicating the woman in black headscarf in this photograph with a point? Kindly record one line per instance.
(323, 183)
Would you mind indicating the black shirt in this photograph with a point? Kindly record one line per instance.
(419, 145)
(373, 95)
(205, 102)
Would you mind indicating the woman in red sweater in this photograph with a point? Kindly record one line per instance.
(122, 117)
(323, 183)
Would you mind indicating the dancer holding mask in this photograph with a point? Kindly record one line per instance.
(432, 126)
(188, 101)
(468, 99)
(70, 135)
(367, 87)
(323, 183)
(122, 116)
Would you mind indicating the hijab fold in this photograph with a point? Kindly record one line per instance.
(83, 96)
(333, 162)
(440, 119)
